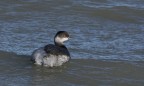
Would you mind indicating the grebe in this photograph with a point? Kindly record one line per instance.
(53, 54)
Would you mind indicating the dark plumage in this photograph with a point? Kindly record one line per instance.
(56, 50)
(53, 55)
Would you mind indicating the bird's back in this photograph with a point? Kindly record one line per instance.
(51, 55)
(56, 50)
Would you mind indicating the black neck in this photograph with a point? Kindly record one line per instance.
(60, 45)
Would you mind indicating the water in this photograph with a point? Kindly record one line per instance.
(106, 45)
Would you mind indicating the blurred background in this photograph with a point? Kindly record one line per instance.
(107, 30)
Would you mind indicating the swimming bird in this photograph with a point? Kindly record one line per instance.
(55, 54)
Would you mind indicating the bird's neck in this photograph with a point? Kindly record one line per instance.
(58, 42)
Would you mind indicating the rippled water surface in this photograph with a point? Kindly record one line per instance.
(106, 45)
